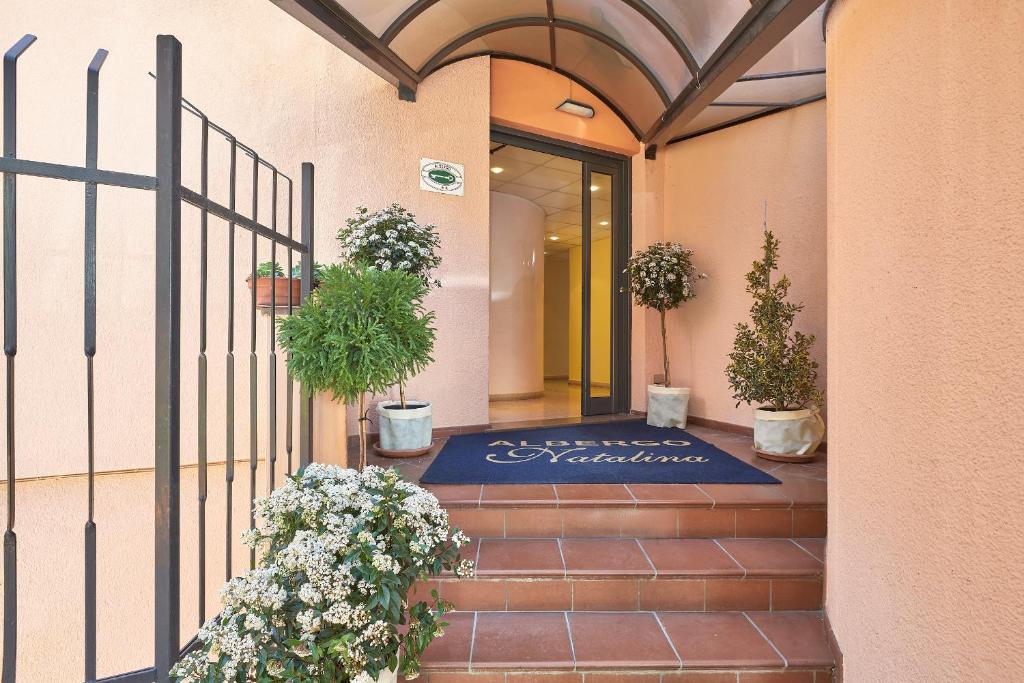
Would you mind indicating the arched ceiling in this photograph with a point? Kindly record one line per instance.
(670, 68)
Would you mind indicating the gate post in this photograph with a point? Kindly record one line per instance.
(305, 397)
(168, 356)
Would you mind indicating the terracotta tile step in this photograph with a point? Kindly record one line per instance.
(656, 643)
(646, 574)
(792, 492)
(792, 675)
(641, 522)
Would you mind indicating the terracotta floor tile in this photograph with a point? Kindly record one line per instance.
(540, 596)
(796, 594)
(604, 557)
(731, 495)
(777, 677)
(699, 677)
(764, 523)
(771, 557)
(453, 649)
(676, 495)
(683, 595)
(620, 640)
(815, 546)
(591, 522)
(624, 677)
(519, 557)
(473, 595)
(518, 494)
(704, 523)
(533, 523)
(593, 494)
(812, 522)
(645, 522)
(553, 677)
(458, 677)
(799, 636)
(478, 523)
(455, 494)
(718, 639)
(802, 492)
(738, 594)
(522, 640)
(689, 557)
(611, 595)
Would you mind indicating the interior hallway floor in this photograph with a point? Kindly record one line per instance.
(561, 399)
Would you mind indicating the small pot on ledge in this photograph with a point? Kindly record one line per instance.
(267, 290)
(404, 432)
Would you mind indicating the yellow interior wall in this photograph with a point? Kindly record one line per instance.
(600, 314)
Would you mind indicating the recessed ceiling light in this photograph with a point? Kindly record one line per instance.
(553, 238)
(576, 109)
(594, 188)
(496, 169)
(603, 223)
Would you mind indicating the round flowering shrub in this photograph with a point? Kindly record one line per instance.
(391, 239)
(662, 277)
(342, 549)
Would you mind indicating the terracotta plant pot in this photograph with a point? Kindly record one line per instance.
(263, 291)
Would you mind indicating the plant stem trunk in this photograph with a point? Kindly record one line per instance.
(664, 348)
(401, 394)
(362, 431)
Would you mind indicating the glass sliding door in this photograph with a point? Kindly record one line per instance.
(600, 288)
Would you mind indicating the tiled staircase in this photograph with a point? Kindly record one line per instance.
(642, 583)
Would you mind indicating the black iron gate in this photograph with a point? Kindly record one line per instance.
(170, 192)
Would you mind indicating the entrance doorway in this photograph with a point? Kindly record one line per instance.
(559, 330)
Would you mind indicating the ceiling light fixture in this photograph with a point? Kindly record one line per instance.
(496, 169)
(603, 223)
(553, 238)
(594, 188)
(576, 108)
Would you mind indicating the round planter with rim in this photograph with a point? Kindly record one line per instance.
(267, 290)
(404, 432)
(666, 406)
(388, 676)
(788, 435)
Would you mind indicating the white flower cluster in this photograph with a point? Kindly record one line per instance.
(343, 549)
(391, 239)
(662, 276)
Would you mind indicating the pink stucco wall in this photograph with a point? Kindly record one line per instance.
(925, 321)
(715, 187)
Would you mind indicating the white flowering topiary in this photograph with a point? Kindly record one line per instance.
(662, 277)
(342, 550)
(391, 239)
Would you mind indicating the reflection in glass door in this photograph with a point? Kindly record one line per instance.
(599, 287)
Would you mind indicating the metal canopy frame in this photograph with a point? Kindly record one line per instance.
(759, 30)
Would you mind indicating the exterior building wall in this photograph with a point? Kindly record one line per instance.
(925, 318)
(715, 189)
(294, 97)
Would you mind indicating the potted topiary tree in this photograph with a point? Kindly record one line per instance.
(361, 331)
(662, 277)
(771, 366)
(331, 597)
(391, 239)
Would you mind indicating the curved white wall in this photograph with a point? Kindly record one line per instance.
(517, 297)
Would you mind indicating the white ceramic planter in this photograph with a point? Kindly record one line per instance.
(788, 435)
(403, 432)
(666, 406)
(388, 676)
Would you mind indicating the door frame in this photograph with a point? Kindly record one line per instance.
(622, 245)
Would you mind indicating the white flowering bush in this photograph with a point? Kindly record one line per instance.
(391, 239)
(329, 601)
(662, 277)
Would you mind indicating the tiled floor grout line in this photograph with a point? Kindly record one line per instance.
(808, 552)
(572, 646)
(646, 557)
(480, 497)
(714, 503)
(785, 662)
(561, 554)
(738, 564)
(472, 640)
(672, 645)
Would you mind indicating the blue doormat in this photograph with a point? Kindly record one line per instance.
(624, 452)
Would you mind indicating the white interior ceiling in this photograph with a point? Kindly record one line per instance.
(556, 185)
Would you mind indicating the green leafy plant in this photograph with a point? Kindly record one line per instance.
(273, 269)
(330, 599)
(361, 331)
(662, 277)
(771, 364)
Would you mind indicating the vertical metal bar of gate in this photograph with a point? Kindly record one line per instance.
(167, 377)
(306, 399)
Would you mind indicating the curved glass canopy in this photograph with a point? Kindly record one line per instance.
(670, 68)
